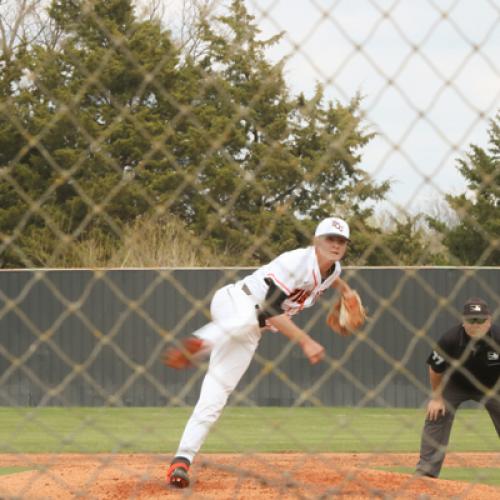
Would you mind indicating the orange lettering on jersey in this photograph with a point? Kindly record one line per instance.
(299, 296)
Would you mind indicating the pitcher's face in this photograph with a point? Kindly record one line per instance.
(330, 248)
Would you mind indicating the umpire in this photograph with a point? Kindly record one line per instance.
(465, 366)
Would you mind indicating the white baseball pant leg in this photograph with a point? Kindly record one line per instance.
(234, 334)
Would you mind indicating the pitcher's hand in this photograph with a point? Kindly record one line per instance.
(313, 351)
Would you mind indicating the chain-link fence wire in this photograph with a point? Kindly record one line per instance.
(105, 134)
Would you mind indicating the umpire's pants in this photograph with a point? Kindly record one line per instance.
(436, 433)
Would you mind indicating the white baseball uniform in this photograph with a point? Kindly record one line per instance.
(234, 331)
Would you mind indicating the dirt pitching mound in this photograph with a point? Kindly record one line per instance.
(232, 476)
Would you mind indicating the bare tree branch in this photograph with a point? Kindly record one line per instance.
(151, 10)
(193, 13)
(21, 21)
(181, 17)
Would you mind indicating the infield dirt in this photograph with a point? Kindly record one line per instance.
(233, 476)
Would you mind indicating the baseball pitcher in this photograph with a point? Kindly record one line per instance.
(266, 299)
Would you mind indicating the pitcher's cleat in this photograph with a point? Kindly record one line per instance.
(178, 473)
(191, 350)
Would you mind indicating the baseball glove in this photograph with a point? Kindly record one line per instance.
(347, 314)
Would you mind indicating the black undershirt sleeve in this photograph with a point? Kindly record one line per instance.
(272, 305)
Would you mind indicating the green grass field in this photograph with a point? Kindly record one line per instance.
(484, 475)
(12, 470)
(240, 430)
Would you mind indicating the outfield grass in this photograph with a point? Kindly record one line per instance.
(484, 475)
(13, 470)
(158, 430)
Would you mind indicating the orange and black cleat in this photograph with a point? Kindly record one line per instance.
(178, 473)
(191, 349)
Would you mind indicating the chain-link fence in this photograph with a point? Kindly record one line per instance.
(154, 152)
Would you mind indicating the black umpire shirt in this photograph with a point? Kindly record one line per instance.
(479, 358)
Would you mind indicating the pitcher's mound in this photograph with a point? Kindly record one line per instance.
(228, 476)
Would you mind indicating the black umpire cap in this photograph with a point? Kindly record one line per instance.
(477, 308)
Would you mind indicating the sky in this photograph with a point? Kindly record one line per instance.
(429, 72)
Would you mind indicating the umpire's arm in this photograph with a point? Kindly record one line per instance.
(436, 405)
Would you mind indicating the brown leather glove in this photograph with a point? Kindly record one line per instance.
(347, 314)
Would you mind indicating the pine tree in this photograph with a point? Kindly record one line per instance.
(475, 240)
(276, 164)
(99, 105)
(115, 122)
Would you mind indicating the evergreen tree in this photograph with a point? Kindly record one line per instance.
(95, 106)
(408, 242)
(115, 122)
(276, 164)
(475, 239)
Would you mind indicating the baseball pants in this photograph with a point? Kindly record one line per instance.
(436, 433)
(234, 335)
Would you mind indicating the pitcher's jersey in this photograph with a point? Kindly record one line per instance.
(297, 274)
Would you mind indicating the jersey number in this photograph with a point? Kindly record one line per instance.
(436, 358)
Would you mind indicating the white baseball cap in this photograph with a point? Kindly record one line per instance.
(334, 226)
